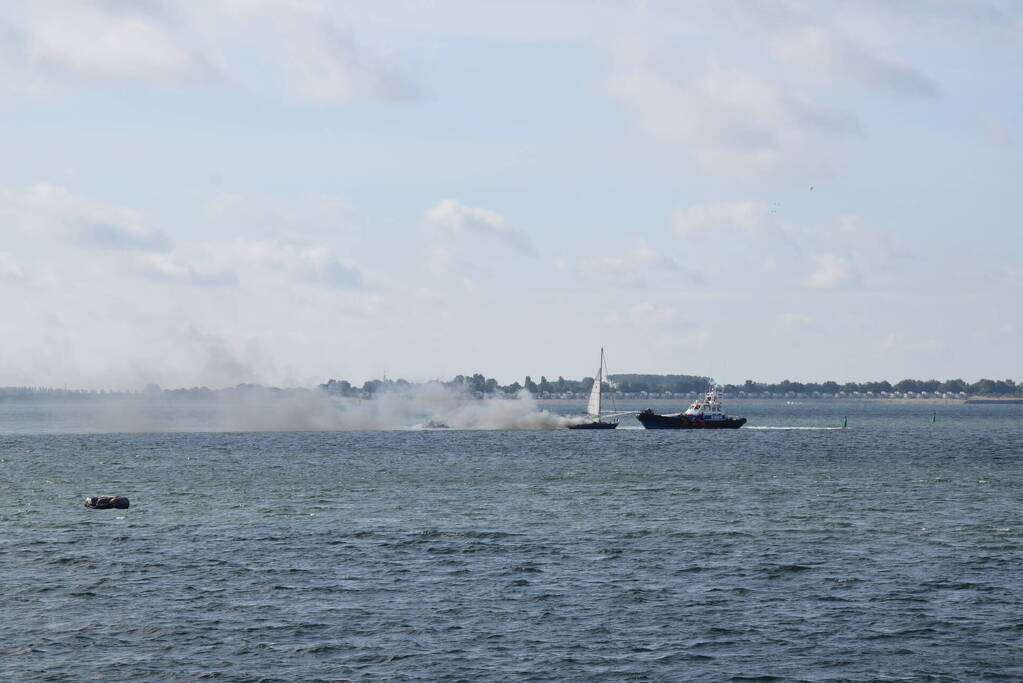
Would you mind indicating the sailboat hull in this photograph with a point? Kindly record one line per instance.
(594, 425)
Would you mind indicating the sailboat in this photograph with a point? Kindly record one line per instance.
(596, 398)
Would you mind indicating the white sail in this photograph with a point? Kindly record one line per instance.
(593, 407)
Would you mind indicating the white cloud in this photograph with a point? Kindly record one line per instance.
(324, 64)
(780, 98)
(865, 255)
(302, 49)
(717, 216)
(822, 51)
(9, 268)
(53, 212)
(251, 262)
(317, 213)
(895, 341)
(645, 256)
(1008, 276)
(453, 218)
(170, 268)
(634, 266)
(58, 213)
(731, 119)
(832, 271)
(315, 264)
(442, 260)
(997, 133)
(649, 313)
(799, 322)
(106, 40)
(843, 251)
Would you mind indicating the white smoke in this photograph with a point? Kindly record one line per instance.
(424, 406)
(259, 409)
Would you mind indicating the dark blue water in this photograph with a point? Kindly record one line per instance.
(891, 550)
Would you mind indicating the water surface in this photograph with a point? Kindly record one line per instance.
(791, 549)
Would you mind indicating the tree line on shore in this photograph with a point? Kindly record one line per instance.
(477, 383)
(983, 387)
(628, 384)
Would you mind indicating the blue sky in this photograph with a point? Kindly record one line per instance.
(286, 191)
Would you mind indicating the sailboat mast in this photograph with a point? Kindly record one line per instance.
(607, 375)
(593, 405)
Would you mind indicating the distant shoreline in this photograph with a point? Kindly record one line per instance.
(1005, 401)
(848, 399)
(252, 391)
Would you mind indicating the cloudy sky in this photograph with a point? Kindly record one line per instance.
(278, 191)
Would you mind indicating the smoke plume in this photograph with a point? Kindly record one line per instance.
(261, 409)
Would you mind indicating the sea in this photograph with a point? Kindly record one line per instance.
(792, 549)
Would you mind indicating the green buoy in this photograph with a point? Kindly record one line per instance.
(934, 416)
(845, 422)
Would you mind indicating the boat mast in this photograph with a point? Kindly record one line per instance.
(593, 405)
(603, 365)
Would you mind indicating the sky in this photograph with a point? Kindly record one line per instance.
(286, 191)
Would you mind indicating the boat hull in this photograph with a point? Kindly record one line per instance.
(594, 425)
(652, 420)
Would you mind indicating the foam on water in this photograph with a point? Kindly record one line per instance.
(792, 428)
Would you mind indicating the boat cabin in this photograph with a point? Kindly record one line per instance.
(707, 409)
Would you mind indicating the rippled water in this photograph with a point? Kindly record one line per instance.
(889, 550)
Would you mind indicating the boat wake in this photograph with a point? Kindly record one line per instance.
(796, 429)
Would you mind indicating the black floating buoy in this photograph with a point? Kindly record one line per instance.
(107, 502)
